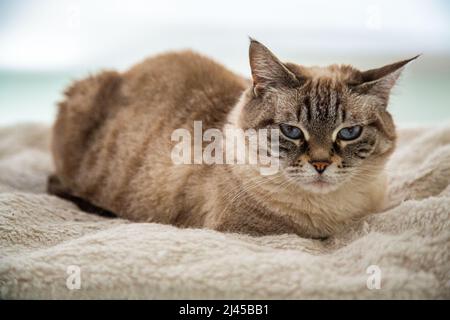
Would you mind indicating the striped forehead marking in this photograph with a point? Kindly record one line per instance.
(321, 102)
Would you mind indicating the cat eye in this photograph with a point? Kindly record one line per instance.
(350, 133)
(291, 132)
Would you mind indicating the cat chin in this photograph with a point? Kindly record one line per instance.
(319, 186)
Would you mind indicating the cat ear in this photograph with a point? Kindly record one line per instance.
(267, 70)
(379, 82)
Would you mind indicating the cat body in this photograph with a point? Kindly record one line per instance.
(112, 144)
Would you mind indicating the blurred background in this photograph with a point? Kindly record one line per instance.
(46, 44)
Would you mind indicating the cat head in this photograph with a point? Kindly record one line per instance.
(333, 121)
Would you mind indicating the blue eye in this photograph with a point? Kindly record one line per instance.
(291, 131)
(350, 133)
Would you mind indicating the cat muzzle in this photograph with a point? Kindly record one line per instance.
(320, 166)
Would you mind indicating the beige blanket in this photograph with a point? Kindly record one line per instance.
(50, 249)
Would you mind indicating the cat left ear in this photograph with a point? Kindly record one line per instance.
(267, 69)
(379, 82)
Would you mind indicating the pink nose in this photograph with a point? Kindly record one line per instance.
(320, 166)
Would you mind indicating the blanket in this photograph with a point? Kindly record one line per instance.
(51, 249)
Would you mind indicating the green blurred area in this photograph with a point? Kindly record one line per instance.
(421, 97)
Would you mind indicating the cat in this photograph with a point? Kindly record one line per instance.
(112, 143)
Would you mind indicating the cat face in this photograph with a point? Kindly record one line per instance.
(333, 123)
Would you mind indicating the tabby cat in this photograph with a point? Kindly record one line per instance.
(112, 143)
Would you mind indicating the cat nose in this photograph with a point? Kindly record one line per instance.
(320, 166)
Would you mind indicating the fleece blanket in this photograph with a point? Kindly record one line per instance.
(50, 249)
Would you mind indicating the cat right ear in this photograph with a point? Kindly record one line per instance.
(267, 69)
(379, 82)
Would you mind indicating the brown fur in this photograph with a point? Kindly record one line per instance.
(111, 144)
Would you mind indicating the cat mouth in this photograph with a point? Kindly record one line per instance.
(320, 183)
(318, 180)
(316, 183)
